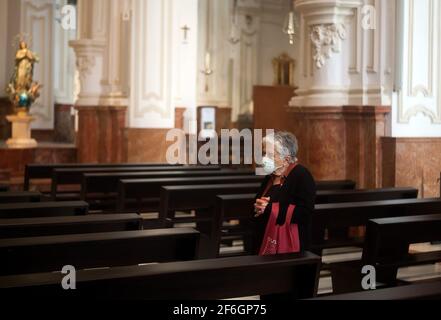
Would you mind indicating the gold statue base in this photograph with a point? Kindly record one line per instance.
(21, 131)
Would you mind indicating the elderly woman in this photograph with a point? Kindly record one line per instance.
(285, 201)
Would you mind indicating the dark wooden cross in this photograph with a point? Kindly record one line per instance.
(185, 29)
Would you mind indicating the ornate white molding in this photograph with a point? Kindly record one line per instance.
(318, 12)
(326, 39)
(89, 62)
(420, 93)
(85, 65)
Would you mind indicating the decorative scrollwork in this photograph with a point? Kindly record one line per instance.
(326, 39)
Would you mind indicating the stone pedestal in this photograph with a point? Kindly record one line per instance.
(338, 143)
(101, 134)
(21, 132)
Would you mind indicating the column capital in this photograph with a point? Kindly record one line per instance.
(318, 12)
(89, 61)
(88, 45)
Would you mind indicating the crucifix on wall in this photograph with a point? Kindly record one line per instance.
(185, 29)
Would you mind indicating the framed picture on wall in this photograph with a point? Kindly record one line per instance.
(207, 121)
(283, 66)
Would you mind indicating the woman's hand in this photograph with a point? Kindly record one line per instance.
(260, 206)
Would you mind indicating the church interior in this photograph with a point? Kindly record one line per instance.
(93, 94)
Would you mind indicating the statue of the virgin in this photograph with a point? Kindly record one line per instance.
(22, 89)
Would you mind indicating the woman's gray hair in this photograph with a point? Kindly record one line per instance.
(285, 144)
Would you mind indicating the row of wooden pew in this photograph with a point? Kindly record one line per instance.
(212, 205)
(40, 236)
(212, 212)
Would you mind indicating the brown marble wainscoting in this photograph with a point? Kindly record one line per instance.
(15, 160)
(5, 109)
(412, 162)
(100, 137)
(341, 142)
(179, 117)
(147, 145)
(64, 128)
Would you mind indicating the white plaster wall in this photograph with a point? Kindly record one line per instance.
(417, 101)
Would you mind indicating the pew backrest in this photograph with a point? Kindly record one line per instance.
(340, 196)
(140, 189)
(47, 226)
(108, 183)
(335, 185)
(296, 276)
(73, 176)
(44, 171)
(334, 215)
(197, 197)
(20, 196)
(95, 250)
(420, 291)
(353, 214)
(387, 240)
(43, 209)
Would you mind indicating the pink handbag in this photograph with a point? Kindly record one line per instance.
(280, 239)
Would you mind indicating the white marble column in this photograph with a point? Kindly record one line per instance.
(347, 55)
(116, 58)
(324, 28)
(64, 61)
(102, 52)
(89, 48)
(89, 63)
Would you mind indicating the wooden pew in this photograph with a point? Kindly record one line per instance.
(96, 184)
(44, 171)
(95, 250)
(201, 199)
(387, 248)
(234, 207)
(336, 185)
(74, 176)
(14, 197)
(49, 226)
(359, 213)
(291, 276)
(341, 196)
(43, 209)
(240, 207)
(195, 197)
(149, 189)
(420, 291)
(142, 195)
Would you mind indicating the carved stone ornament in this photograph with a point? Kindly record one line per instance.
(85, 65)
(326, 39)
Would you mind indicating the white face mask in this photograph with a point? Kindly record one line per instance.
(268, 165)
